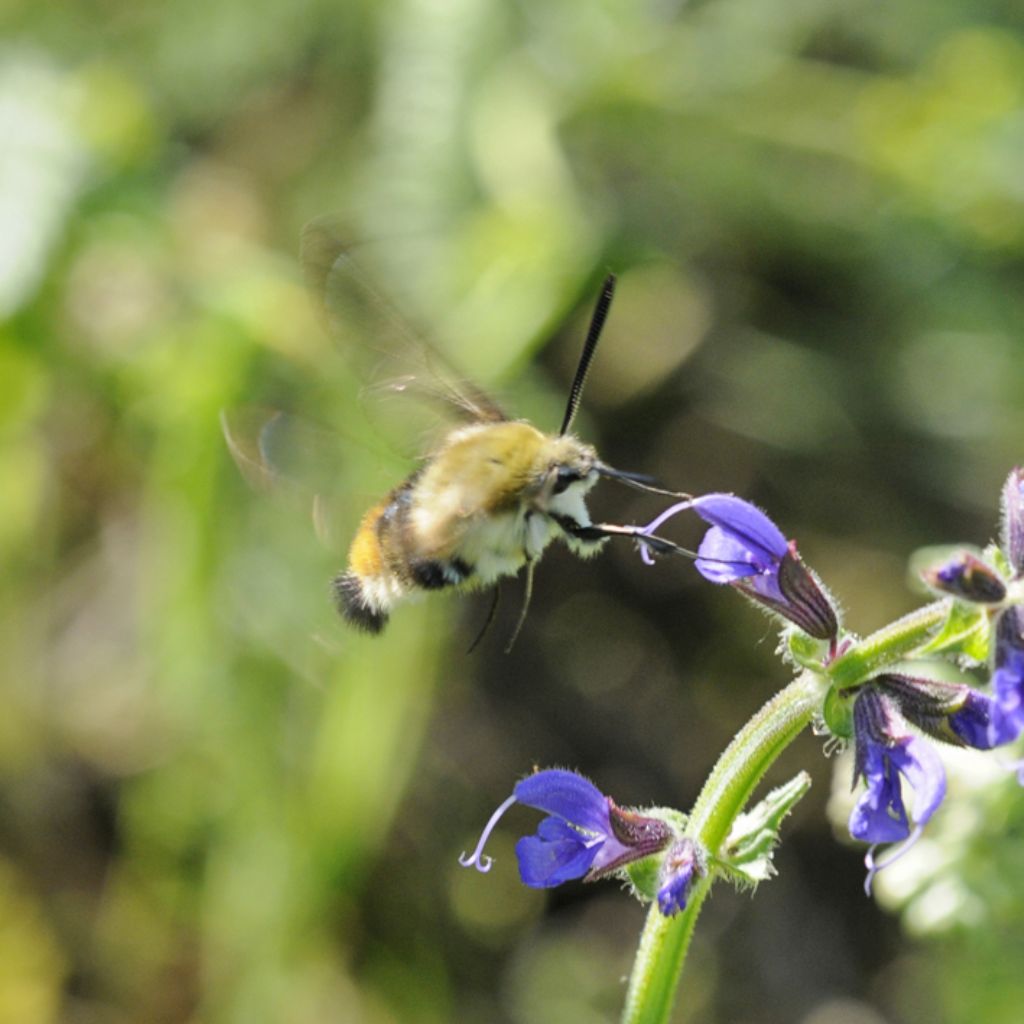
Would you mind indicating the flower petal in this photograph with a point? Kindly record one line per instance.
(568, 796)
(723, 558)
(544, 863)
(982, 723)
(747, 522)
(919, 762)
(879, 815)
(612, 855)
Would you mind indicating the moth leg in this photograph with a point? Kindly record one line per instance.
(599, 531)
(489, 621)
(527, 594)
(434, 574)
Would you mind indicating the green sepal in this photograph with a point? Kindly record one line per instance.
(838, 712)
(802, 649)
(995, 556)
(643, 874)
(746, 856)
(643, 877)
(965, 631)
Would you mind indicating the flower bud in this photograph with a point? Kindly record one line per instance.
(967, 578)
(682, 866)
(951, 712)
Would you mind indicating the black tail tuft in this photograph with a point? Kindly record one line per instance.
(351, 602)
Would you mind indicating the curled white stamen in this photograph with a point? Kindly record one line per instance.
(1013, 766)
(893, 854)
(478, 859)
(679, 506)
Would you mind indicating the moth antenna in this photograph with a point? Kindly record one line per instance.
(488, 622)
(604, 301)
(527, 594)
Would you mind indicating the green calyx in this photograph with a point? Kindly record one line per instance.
(804, 650)
(838, 712)
(644, 874)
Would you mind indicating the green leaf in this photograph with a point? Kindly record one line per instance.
(965, 631)
(747, 854)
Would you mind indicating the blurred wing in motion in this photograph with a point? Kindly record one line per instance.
(283, 454)
(391, 357)
(274, 450)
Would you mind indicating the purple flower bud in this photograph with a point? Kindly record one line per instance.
(968, 578)
(680, 869)
(951, 712)
(585, 836)
(885, 752)
(1013, 521)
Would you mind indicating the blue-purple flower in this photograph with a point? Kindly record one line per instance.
(746, 549)
(951, 712)
(886, 753)
(993, 721)
(586, 835)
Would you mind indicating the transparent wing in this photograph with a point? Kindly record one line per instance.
(278, 453)
(391, 357)
(274, 449)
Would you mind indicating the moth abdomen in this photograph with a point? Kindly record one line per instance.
(356, 605)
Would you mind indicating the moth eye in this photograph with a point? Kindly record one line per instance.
(566, 476)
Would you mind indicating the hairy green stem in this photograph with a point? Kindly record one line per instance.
(888, 645)
(665, 940)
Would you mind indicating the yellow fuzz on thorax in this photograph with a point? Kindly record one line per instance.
(471, 499)
(483, 468)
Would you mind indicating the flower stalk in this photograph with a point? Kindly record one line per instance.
(665, 940)
(886, 693)
(888, 645)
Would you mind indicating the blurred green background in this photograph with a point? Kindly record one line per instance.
(219, 805)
